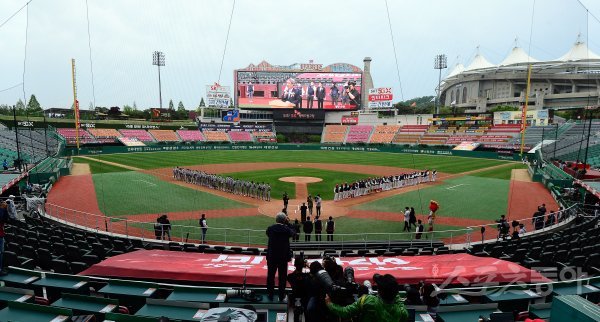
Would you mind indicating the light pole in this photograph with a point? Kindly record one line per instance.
(441, 62)
(158, 59)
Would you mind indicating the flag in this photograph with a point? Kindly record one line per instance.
(414, 104)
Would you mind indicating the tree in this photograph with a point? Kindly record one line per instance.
(171, 105)
(114, 111)
(135, 106)
(128, 110)
(504, 108)
(180, 107)
(33, 106)
(417, 105)
(20, 107)
(202, 104)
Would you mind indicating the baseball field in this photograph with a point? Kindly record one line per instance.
(133, 189)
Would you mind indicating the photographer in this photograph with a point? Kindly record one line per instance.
(300, 283)
(278, 254)
(353, 94)
(385, 306)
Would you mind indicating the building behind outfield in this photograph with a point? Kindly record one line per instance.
(570, 81)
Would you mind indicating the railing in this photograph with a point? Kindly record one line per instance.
(257, 238)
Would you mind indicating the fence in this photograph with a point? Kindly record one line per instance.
(257, 238)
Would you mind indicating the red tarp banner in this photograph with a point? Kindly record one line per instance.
(229, 269)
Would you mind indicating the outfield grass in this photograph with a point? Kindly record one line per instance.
(153, 160)
(130, 193)
(501, 172)
(255, 227)
(324, 188)
(464, 197)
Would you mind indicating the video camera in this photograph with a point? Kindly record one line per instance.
(342, 291)
(243, 292)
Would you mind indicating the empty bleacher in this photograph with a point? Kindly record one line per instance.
(140, 135)
(384, 133)
(240, 136)
(216, 136)
(164, 135)
(105, 135)
(434, 138)
(334, 133)
(70, 136)
(34, 144)
(359, 133)
(190, 135)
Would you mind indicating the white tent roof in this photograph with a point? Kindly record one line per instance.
(579, 51)
(517, 56)
(458, 68)
(479, 62)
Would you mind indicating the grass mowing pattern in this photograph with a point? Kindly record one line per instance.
(130, 193)
(259, 224)
(154, 160)
(464, 197)
(324, 188)
(501, 172)
(100, 167)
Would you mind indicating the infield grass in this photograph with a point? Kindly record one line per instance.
(130, 193)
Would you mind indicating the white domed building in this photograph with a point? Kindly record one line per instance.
(570, 81)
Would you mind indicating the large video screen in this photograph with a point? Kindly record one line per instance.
(301, 90)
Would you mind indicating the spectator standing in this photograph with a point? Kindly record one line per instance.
(318, 228)
(538, 220)
(278, 254)
(11, 207)
(318, 201)
(308, 229)
(330, 228)
(309, 203)
(3, 219)
(204, 227)
(522, 230)
(551, 219)
(420, 229)
(303, 211)
(296, 229)
(166, 227)
(413, 217)
(406, 219)
(286, 200)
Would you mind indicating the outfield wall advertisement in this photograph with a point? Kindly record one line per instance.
(290, 147)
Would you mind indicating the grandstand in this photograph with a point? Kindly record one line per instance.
(34, 144)
(334, 134)
(70, 135)
(164, 135)
(216, 136)
(105, 135)
(140, 135)
(384, 133)
(240, 136)
(359, 134)
(190, 135)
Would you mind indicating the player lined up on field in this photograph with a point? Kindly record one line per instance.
(378, 184)
(245, 188)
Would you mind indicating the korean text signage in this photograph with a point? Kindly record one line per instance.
(349, 120)
(293, 114)
(218, 96)
(380, 97)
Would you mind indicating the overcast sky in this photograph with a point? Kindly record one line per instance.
(124, 33)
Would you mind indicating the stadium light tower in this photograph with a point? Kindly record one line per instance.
(158, 59)
(441, 62)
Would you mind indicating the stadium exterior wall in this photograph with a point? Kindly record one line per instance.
(288, 147)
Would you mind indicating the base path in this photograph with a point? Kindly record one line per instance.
(80, 168)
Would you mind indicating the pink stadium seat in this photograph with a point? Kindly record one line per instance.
(141, 135)
(70, 136)
(240, 136)
(190, 135)
(359, 133)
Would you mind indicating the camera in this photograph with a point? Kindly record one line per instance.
(343, 291)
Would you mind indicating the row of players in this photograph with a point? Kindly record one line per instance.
(373, 185)
(245, 188)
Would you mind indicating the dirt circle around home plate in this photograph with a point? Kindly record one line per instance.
(301, 179)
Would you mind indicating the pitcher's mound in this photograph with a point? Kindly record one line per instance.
(300, 179)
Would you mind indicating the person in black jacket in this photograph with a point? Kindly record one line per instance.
(308, 229)
(330, 228)
(320, 93)
(296, 229)
(278, 254)
(166, 227)
(318, 228)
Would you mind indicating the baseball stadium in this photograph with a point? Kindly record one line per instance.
(482, 206)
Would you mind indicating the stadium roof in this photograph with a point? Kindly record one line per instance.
(479, 62)
(579, 51)
(517, 56)
(458, 68)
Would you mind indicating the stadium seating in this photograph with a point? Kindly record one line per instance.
(334, 133)
(359, 133)
(140, 135)
(34, 144)
(459, 138)
(403, 138)
(434, 138)
(105, 135)
(384, 133)
(216, 136)
(413, 129)
(71, 136)
(164, 135)
(190, 135)
(240, 136)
